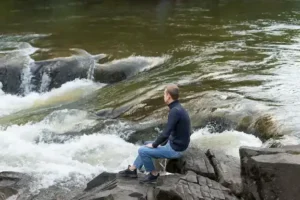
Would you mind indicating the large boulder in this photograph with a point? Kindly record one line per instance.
(215, 165)
(59, 71)
(270, 174)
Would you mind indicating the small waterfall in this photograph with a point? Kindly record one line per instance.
(26, 86)
(90, 72)
(45, 82)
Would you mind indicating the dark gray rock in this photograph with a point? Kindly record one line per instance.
(108, 186)
(270, 173)
(10, 77)
(190, 187)
(172, 187)
(228, 170)
(192, 160)
(246, 152)
(109, 75)
(60, 71)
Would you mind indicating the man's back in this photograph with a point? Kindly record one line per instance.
(180, 137)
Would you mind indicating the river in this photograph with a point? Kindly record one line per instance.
(245, 50)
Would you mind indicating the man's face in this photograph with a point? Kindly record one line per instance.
(166, 96)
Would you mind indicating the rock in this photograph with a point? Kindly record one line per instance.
(192, 160)
(190, 187)
(55, 192)
(10, 77)
(247, 152)
(59, 70)
(172, 187)
(270, 174)
(121, 69)
(108, 186)
(13, 183)
(109, 75)
(112, 113)
(228, 170)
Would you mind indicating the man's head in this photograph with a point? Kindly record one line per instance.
(171, 93)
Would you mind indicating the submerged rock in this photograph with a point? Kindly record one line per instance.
(218, 111)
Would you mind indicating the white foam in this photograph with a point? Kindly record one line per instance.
(26, 77)
(228, 141)
(74, 161)
(69, 91)
(17, 48)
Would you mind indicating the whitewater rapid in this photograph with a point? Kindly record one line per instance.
(23, 148)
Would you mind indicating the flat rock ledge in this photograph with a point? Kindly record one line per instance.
(108, 186)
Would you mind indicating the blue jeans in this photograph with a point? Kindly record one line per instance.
(146, 154)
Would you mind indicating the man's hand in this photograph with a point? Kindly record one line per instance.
(149, 145)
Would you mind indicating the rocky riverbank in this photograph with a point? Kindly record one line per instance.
(260, 174)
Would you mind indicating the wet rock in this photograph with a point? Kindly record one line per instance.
(273, 143)
(60, 71)
(265, 127)
(10, 77)
(145, 132)
(112, 113)
(55, 192)
(13, 183)
(228, 170)
(218, 111)
(105, 74)
(118, 70)
(270, 173)
(192, 160)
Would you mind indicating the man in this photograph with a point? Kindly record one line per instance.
(176, 133)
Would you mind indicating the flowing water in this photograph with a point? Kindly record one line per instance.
(245, 48)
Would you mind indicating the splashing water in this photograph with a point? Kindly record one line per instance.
(70, 91)
(46, 79)
(83, 156)
(228, 141)
(26, 86)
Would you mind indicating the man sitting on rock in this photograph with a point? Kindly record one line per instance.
(176, 135)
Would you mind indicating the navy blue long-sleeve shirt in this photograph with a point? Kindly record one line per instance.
(178, 128)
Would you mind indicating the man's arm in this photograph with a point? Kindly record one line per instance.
(172, 120)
